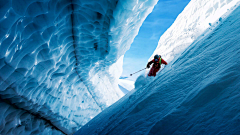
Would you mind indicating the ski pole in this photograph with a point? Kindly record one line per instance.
(137, 72)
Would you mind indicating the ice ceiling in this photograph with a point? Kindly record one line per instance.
(56, 59)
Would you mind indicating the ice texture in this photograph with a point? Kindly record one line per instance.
(197, 93)
(18, 121)
(60, 60)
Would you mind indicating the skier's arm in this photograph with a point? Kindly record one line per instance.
(149, 63)
(164, 62)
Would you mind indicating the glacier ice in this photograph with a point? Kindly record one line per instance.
(197, 93)
(57, 59)
(15, 120)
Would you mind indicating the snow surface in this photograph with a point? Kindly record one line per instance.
(60, 60)
(124, 90)
(196, 17)
(197, 93)
(127, 84)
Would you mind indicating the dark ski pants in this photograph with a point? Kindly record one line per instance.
(153, 71)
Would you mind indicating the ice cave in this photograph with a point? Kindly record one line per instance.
(61, 60)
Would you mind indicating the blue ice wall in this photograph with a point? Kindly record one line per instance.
(198, 93)
(58, 60)
(47, 48)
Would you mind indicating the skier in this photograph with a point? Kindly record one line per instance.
(157, 61)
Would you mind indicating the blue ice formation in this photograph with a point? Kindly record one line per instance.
(56, 59)
(197, 93)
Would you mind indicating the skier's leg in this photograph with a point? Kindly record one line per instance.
(155, 71)
(151, 72)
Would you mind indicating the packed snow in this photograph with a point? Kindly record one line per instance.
(126, 85)
(60, 60)
(197, 93)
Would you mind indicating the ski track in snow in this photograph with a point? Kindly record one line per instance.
(198, 93)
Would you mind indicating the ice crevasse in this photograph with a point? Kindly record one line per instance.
(60, 60)
(197, 92)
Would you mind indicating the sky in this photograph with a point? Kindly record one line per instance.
(144, 44)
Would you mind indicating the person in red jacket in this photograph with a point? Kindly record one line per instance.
(157, 61)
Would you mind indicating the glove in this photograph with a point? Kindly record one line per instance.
(148, 66)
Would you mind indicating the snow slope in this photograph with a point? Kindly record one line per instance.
(60, 60)
(127, 84)
(197, 93)
(197, 16)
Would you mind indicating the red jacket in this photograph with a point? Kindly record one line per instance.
(156, 64)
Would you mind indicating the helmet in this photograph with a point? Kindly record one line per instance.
(156, 57)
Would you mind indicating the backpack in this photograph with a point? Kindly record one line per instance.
(160, 61)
